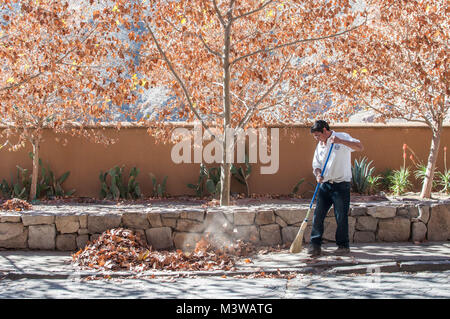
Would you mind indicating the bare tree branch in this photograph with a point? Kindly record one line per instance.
(234, 94)
(425, 120)
(270, 106)
(199, 36)
(183, 86)
(222, 21)
(253, 11)
(253, 109)
(295, 42)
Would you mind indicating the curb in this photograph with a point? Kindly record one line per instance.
(120, 274)
(391, 267)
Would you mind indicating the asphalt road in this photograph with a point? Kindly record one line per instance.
(396, 285)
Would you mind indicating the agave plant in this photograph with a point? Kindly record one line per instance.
(421, 169)
(444, 181)
(362, 180)
(374, 183)
(444, 177)
(399, 180)
(421, 172)
(296, 187)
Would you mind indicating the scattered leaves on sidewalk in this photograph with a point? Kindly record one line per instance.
(312, 260)
(262, 274)
(122, 249)
(16, 204)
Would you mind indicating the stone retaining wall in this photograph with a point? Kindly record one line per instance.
(70, 228)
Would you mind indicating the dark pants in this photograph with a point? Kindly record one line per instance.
(338, 195)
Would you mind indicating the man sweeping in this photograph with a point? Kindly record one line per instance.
(334, 186)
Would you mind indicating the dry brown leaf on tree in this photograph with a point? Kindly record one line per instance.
(63, 68)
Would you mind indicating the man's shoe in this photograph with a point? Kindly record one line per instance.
(314, 251)
(342, 251)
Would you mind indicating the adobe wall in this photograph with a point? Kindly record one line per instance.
(135, 147)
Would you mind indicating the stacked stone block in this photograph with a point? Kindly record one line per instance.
(182, 228)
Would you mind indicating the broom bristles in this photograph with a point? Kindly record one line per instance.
(297, 244)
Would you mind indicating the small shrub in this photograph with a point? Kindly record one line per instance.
(385, 179)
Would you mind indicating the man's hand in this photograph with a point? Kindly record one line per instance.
(356, 146)
(318, 174)
(336, 140)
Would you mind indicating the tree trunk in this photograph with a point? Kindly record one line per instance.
(431, 165)
(35, 173)
(225, 174)
(225, 182)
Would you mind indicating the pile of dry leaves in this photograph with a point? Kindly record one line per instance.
(16, 205)
(122, 249)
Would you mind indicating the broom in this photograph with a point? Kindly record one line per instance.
(296, 245)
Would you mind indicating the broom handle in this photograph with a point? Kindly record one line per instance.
(297, 243)
(321, 174)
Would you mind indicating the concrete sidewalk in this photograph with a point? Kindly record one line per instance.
(364, 258)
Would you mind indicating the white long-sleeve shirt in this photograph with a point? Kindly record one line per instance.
(339, 167)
